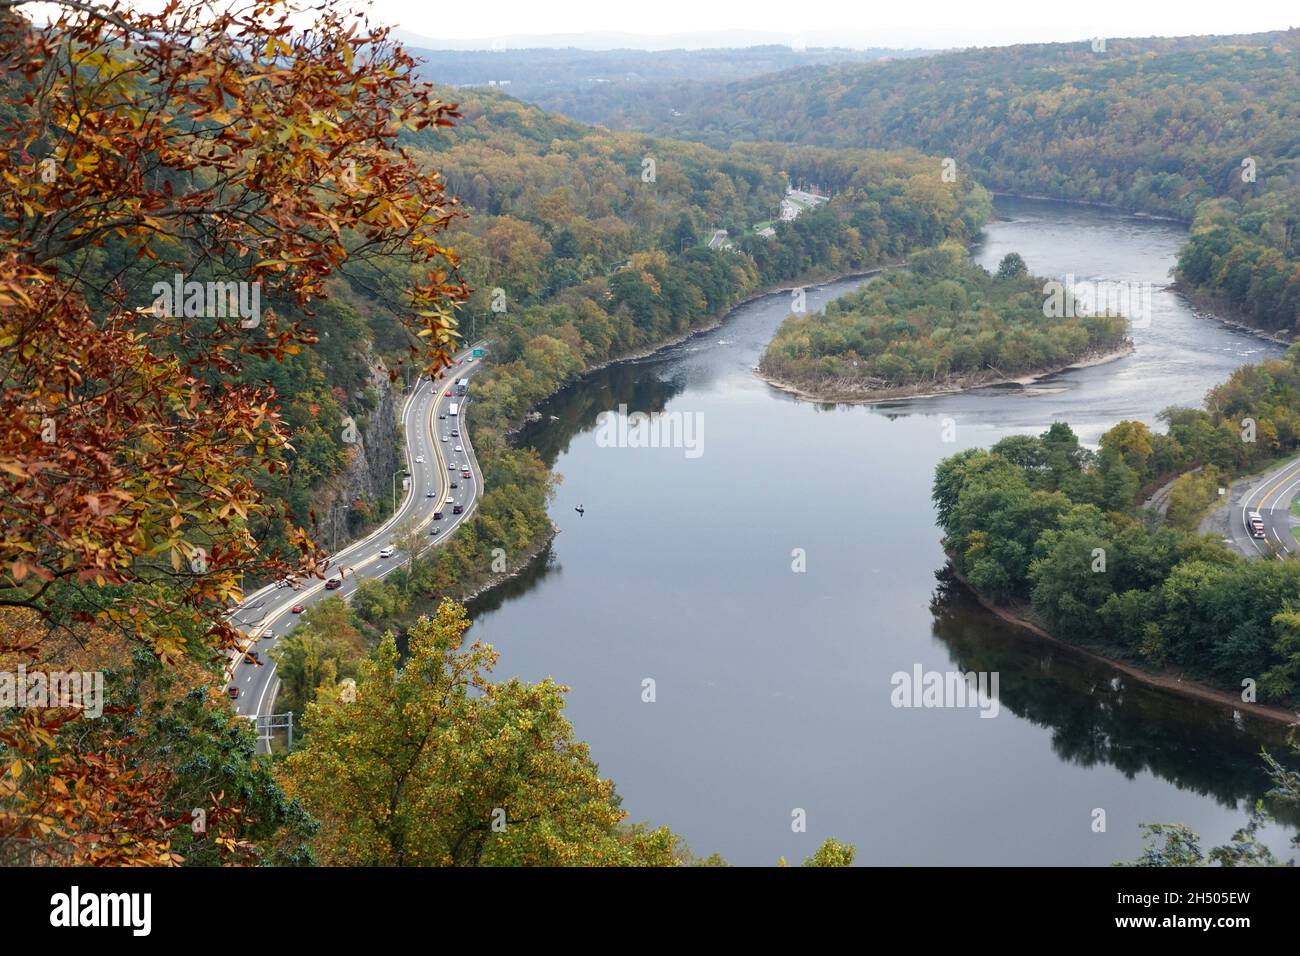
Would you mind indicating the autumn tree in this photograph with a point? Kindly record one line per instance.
(222, 144)
(221, 147)
(432, 763)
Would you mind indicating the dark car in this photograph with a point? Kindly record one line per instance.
(437, 516)
(252, 658)
(457, 509)
(434, 531)
(454, 485)
(232, 692)
(455, 433)
(333, 584)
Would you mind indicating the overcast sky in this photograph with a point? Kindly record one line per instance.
(928, 23)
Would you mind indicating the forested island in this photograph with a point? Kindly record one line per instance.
(942, 324)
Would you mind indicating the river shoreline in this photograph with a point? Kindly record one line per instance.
(1177, 685)
(1207, 305)
(506, 576)
(682, 337)
(1158, 217)
(935, 390)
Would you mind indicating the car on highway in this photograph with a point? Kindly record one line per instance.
(447, 394)
(450, 500)
(433, 531)
(232, 692)
(457, 509)
(455, 433)
(458, 448)
(419, 459)
(451, 466)
(386, 552)
(444, 437)
(437, 516)
(297, 609)
(442, 418)
(465, 473)
(333, 584)
(252, 658)
(1255, 521)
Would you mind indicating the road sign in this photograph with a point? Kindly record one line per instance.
(478, 353)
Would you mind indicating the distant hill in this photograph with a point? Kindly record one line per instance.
(584, 83)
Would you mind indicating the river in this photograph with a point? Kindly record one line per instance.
(772, 685)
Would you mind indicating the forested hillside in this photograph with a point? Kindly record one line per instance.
(580, 82)
(1160, 126)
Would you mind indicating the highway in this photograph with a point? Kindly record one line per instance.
(269, 614)
(1271, 495)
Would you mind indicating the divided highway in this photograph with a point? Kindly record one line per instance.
(438, 456)
(1271, 496)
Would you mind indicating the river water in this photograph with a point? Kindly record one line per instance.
(772, 686)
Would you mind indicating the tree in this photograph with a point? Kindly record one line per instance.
(241, 154)
(1012, 266)
(832, 853)
(433, 764)
(322, 649)
(128, 466)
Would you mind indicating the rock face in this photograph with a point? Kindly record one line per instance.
(368, 476)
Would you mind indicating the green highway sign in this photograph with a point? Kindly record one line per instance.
(478, 353)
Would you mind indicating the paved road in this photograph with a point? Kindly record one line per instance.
(267, 616)
(1271, 495)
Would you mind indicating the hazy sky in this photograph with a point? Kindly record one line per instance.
(848, 22)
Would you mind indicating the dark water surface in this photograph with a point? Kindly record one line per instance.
(773, 687)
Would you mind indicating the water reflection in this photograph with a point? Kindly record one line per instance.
(1098, 715)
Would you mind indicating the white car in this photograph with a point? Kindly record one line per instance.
(451, 500)
(386, 552)
(444, 437)
(419, 459)
(458, 448)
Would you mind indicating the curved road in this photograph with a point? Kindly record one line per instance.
(434, 464)
(1271, 495)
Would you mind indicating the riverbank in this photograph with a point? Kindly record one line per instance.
(1158, 217)
(683, 337)
(858, 395)
(1207, 305)
(1165, 681)
(504, 577)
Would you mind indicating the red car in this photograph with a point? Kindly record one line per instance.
(446, 393)
(297, 609)
(465, 473)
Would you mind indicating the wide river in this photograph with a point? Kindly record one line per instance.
(772, 685)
